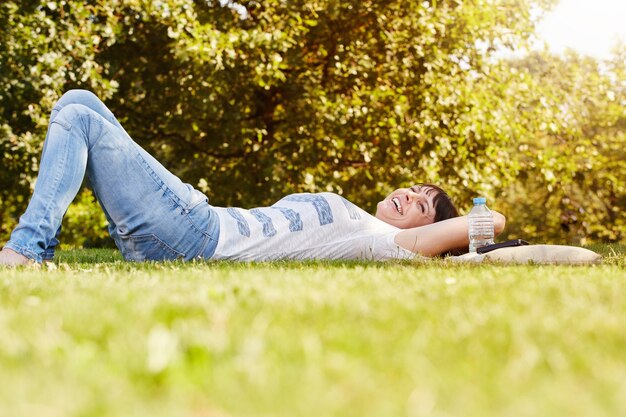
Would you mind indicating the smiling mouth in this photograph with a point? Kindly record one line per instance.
(396, 202)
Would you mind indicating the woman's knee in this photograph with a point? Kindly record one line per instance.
(84, 98)
(72, 114)
(77, 97)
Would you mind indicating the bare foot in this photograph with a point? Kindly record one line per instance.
(9, 257)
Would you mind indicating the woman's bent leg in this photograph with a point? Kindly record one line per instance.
(91, 101)
(61, 173)
(192, 204)
(154, 215)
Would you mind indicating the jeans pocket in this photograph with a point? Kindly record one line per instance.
(147, 248)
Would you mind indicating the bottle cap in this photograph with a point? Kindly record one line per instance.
(480, 200)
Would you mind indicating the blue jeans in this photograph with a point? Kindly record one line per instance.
(152, 214)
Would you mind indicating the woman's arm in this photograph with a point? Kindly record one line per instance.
(436, 238)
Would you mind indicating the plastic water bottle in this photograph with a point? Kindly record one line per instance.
(480, 225)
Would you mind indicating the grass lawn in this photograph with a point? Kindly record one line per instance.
(99, 337)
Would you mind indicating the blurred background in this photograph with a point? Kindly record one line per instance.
(520, 101)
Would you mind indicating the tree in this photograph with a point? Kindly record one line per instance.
(45, 48)
(251, 100)
(572, 165)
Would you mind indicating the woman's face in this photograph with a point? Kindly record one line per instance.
(408, 207)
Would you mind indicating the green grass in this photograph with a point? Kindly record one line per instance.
(99, 337)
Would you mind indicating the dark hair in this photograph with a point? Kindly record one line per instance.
(444, 207)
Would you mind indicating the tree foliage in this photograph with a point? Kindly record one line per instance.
(572, 172)
(255, 99)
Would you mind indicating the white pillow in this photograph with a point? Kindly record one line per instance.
(538, 254)
(544, 254)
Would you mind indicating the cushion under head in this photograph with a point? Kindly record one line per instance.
(544, 254)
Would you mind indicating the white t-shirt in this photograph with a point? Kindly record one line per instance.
(306, 226)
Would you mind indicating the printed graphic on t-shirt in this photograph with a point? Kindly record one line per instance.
(321, 205)
(242, 224)
(324, 213)
(266, 221)
(295, 222)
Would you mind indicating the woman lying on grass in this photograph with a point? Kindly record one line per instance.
(153, 215)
